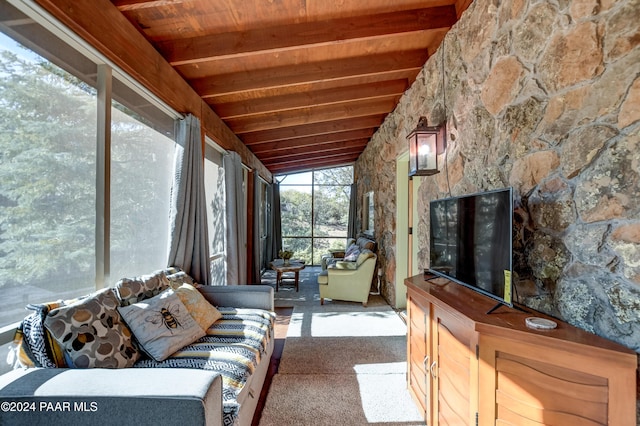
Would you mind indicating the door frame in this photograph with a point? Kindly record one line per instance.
(406, 212)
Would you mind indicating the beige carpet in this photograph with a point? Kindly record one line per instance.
(342, 364)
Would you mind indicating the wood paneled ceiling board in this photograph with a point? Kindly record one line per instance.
(303, 83)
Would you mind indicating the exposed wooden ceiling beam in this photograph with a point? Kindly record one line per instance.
(303, 89)
(318, 151)
(340, 125)
(313, 163)
(309, 72)
(311, 141)
(125, 5)
(320, 97)
(281, 38)
(343, 153)
(311, 115)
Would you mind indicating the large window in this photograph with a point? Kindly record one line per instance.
(142, 161)
(216, 213)
(50, 191)
(315, 211)
(47, 181)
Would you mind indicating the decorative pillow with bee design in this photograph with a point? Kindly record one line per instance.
(92, 333)
(161, 324)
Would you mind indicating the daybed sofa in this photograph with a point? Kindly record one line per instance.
(350, 278)
(148, 357)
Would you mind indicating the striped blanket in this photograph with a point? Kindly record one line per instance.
(233, 347)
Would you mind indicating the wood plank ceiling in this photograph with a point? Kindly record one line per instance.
(303, 83)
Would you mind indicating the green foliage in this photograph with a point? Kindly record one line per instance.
(47, 173)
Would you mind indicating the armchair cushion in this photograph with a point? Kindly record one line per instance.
(343, 264)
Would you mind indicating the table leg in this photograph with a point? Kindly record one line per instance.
(297, 276)
(278, 279)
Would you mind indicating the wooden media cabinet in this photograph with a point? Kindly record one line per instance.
(467, 367)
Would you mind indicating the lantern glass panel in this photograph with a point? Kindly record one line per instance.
(427, 151)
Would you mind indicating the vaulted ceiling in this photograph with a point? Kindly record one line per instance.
(303, 83)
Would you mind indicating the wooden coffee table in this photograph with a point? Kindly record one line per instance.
(294, 266)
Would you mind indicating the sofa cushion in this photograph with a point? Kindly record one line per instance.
(161, 324)
(100, 396)
(202, 311)
(133, 290)
(92, 333)
(233, 347)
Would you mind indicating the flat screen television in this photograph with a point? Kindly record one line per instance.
(471, 241)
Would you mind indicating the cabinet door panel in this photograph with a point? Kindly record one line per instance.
(453, 378)
(417, 352)
(531, 387)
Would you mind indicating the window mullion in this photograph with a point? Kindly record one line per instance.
(103, 176)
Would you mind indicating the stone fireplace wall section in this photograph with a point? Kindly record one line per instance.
(543, 96)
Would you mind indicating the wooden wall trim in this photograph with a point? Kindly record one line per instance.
(104, 27)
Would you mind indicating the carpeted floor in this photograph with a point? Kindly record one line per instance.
(342, 363)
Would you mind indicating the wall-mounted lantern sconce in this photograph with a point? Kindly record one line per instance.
(425, 144)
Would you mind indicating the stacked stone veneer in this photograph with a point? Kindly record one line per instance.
(543, 96)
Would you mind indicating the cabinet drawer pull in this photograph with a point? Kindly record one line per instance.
(433, 369)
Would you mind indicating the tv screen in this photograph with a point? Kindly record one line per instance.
(470, 241)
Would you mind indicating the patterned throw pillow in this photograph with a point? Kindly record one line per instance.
(92, 333)
(133, 290)
(351, 249)
(352, 256)
(37, 347)
(200, 309)
(161, 325)
(179, 278)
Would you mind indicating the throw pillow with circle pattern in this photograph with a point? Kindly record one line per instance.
(92, 333)
(133, 290)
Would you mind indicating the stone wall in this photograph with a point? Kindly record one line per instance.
(543, 96)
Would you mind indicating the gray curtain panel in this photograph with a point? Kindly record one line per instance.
(236, 220)
(274, 231)
(353, 211)
(256, 243)
(189, 246)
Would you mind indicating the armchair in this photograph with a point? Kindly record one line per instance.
(353, 244)
(349, 281)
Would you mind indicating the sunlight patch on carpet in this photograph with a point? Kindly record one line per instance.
(390, 388)
(346, 324)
